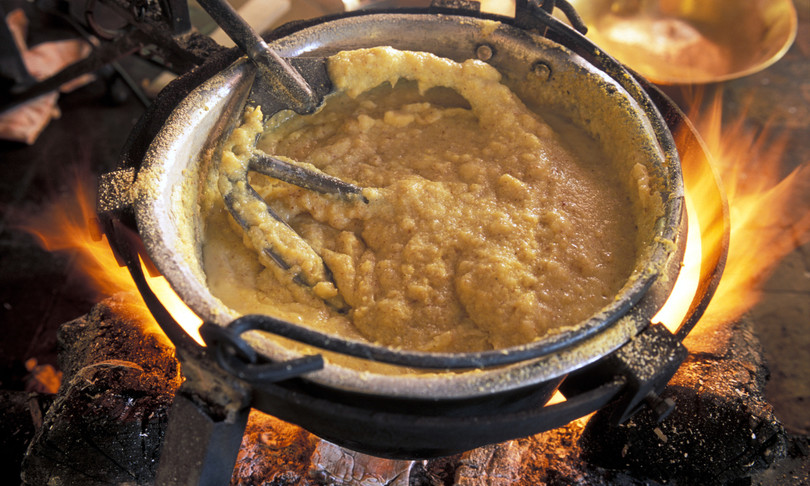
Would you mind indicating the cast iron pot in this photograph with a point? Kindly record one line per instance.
(549, 66)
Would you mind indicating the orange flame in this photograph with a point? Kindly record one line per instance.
(767, 219)
(69, 224)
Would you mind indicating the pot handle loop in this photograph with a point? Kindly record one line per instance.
(238, 358)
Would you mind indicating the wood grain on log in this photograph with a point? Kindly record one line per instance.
(107, 423)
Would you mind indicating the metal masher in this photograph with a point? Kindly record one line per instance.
(280, 85)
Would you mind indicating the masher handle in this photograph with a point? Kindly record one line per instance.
(269, 63)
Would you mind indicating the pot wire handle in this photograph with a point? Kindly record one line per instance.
(271, 66)
(535, 7)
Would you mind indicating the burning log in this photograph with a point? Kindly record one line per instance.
(276, 452)
(721, 430)
(335, 465)
(118, 329)
(106, 424)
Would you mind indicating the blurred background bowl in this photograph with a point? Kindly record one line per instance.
(691, 41)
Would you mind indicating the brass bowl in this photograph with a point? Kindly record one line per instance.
(691, 41)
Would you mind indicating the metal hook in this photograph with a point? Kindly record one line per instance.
(238, 358)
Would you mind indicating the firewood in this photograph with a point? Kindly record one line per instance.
(335, 465)
(107, 423)
(722, 428)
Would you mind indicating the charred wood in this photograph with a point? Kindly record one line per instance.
(20, 417)
(107, 422)
(722, 429)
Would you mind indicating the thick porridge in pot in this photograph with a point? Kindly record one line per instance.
(487, 224)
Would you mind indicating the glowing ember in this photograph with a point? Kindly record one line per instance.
(68, 224)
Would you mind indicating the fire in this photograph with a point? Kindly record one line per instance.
(767, 221)
(64, 225)
(68, 224)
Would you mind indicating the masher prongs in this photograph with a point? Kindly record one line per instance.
(303, 175)
(273, 238)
